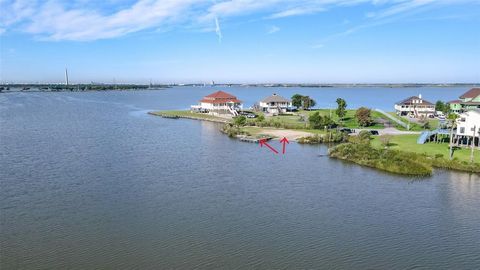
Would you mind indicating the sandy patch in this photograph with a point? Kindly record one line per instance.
(288, 133)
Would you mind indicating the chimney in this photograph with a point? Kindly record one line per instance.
(420, 96)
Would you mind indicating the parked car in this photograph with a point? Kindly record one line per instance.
(251, 115)
(346, 130)
(374, 132)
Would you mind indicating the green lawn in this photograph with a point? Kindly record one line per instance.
(349, 121)
(408, 143)
(415, 126)
(295, 120)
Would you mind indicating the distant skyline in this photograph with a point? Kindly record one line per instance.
(240, 41)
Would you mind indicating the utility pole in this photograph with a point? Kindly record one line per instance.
(473, 143)
(451, 141)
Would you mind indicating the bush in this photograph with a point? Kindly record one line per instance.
(240, 121)
(363, 137)
(318, 121)
(364, 117)
(385, 140)
(331, 137)
(387, 160)
(232, 131)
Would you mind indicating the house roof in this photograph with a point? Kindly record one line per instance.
(220, 97)
(454, 101)
(409, 101)
(472, 93)
(275, 98)
(217, 101)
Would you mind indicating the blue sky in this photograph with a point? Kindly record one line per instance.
(304, 41)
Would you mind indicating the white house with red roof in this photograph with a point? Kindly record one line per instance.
(219, 103)
(415, 107)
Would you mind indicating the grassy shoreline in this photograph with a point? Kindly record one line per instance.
(395, 159)
(399, 162)
(392, 161)
(190, 115)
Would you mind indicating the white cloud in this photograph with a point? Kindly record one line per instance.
(85, 20)
(296, 12)
(273, 29)
(52, 20)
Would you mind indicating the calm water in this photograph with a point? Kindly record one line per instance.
(89, 181)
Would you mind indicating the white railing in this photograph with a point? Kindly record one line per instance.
(394, 119)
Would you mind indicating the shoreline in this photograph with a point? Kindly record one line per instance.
(255, 133)
(271, 132)
(174, 116)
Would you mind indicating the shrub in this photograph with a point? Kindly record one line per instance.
(363, 137)
(385, 140)
(318, 121)
(387, 160)
(240, 121)
(364, 117)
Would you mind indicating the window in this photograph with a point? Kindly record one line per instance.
(462, 130)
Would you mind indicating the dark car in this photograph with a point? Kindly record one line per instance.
(374, 132)
(346, 130)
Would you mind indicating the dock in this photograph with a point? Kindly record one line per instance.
(244, 138)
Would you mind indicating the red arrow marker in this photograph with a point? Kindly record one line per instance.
(264, 142)
(284, 141)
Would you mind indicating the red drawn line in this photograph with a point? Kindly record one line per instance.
(264, 142)
(284, 141)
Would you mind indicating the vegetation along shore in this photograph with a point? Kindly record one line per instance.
(363, 136)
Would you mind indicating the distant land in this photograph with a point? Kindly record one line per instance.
(38, 87)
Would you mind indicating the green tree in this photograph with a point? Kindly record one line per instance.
(307, 102)
(440, 106)
(318, 121)
(240, 121)
(297, 100)
(341, 108)
(364, 117)
(315, 120)
(446, 108)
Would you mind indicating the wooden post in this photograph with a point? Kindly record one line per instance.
(451, 142)
(473, 143)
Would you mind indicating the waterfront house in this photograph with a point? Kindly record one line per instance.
(468, 127)
(274, 104)
(468, 101)
(415, 107)
(220, 104)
